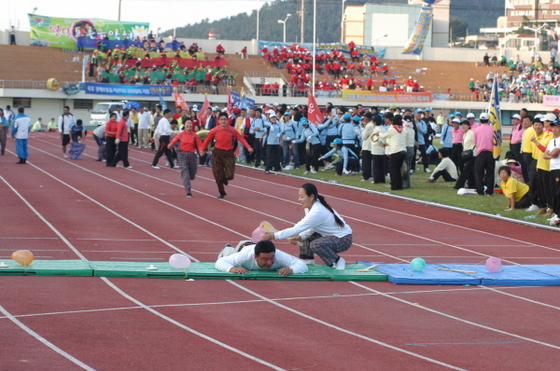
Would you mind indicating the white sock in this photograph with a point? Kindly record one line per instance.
(340, 264)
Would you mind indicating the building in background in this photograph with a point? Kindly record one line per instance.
(392, 24)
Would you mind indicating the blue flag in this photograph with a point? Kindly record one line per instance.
(162, 103)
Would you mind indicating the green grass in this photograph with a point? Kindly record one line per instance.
(439, 192)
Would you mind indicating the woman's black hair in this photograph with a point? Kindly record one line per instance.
(397, 120)
(310, 190)
(504, 168)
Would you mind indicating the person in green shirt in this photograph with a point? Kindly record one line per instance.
(38, 126)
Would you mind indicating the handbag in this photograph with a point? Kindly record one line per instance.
(467, 154)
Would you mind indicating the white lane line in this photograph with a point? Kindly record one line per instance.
(215, 341)
(521, 298)
(45, 341)
(330, 325)
(457, 318)
(234, 283)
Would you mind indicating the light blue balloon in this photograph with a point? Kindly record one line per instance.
(418, 264)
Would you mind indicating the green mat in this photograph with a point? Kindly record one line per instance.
(164, 270)
(75, 268)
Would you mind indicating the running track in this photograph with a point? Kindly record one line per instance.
(63, 209)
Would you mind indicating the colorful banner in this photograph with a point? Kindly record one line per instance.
(63, 32)
(495, 119)
(416, 42)
(129, 90)
(363, 49)
(390, 97)
(551, 100)
(179, 101)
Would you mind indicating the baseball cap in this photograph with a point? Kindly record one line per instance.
(555, 123)
(346, 116)
(484, 116)
(516, 116)
(470, 115)
(428, 109)
(356, 118)
(271, 112)
(550, 117)
(456, 120)
(304, 121)
(451, 116)
(336, 141)
(458, 114)
(287, 113)
(418, 110)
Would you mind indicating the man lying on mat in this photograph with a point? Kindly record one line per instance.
(262, 256)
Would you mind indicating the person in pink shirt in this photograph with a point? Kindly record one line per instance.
(484, 166)
(471, 117)
(516, 136)
(457, 142)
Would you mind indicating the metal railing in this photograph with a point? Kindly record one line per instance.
(22, 84)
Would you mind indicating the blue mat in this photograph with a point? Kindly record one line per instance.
(509, 275)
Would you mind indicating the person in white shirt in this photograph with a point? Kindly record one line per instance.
(64, 122)
(262, 256)
(144, 128)
(446, 168)
(322, 231)
(163, 129)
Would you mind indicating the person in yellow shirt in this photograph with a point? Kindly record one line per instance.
(543, 181)
(526, 153)
(516, 193)
(134, 127)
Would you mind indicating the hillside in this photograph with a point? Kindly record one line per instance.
(476, 13)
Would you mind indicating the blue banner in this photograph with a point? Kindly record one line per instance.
(129, 90)
(246, 103)
(416, 42)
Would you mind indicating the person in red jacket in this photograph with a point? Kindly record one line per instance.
(122, 142)
(189, 143)
(223, 159)
(110, 137)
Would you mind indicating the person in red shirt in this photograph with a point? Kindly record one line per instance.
(220, 49)
(189, 143)
(223, 159)
(244, 53)
(122, 142)
(110, 137)
(177, 114)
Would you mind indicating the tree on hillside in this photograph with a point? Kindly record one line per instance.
(457, 28)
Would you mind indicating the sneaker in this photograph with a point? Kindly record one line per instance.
(552, 217)
(329, 166)
(340, 265)
(176, 167)
(65, 156)
(155, 167)
(345, 172)
(532, 208)
(555, 221)
(288, 167)
(220, 197)
(306, 172)
(226, 251)
(427, 170)
(313, 171)
(189, 195)
(128, 167)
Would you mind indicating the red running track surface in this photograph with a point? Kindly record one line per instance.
(72, 209)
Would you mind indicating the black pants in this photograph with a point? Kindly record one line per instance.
(532, 182)
(258, 150)
(110, 149)
(467, 175)
(379, 168)
(312, 157)
(273, 157)
(526, 160)
(134, 134)
(516, 150)
(455, 155)
(545, 186)
(395, 163)
(484, 167)
(555, 175)
(163, 143)
(425, 161)
(249, 157)
(367, 164)
(445, 174)
(122, 154)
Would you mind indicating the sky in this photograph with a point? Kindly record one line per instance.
(166, 14)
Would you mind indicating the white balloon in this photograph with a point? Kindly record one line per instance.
(179, 261)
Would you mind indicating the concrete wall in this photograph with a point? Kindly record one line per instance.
(459, 54)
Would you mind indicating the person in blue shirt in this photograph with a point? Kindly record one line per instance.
(421, 131)
(347, 132)
(77, 130)
(4, 126)
(288, 127)
(348, 160)
(446, 139)
(258, 127)
(272, 137)
(310, 136)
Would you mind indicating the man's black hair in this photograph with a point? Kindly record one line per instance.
(264, 246)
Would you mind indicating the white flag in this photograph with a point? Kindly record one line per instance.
(509, 5)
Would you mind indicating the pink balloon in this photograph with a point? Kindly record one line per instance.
(179, 261)
(493, 265)
(258, 234)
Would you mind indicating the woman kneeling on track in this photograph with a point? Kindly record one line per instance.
(322, 231)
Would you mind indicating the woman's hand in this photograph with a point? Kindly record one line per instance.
(294, 240)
